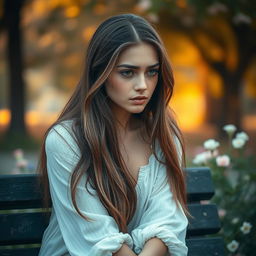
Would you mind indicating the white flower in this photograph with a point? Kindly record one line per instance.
(229, 128)
(211, 144)
(246, 227)
(238, 142)
(233, 246)
(202, 158)
(223, 161)
(243, 136)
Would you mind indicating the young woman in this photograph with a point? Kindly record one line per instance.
(112, 161)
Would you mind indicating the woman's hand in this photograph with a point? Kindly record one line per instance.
(154, 247)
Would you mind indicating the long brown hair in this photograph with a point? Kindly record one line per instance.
(94, 126)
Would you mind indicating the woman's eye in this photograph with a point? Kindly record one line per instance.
(126, 73)
(153, 72)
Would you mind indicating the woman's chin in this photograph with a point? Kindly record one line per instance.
(137, 110)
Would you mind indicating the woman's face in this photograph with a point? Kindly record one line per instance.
(132, 82)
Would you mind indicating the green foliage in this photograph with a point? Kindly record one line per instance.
(235, 181)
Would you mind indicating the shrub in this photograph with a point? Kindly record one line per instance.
(234, 175)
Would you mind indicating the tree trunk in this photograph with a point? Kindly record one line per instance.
(231, 104)
(12, 10)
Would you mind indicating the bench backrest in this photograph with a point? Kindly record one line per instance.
(22, 227)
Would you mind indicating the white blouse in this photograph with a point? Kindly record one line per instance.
(156, 215)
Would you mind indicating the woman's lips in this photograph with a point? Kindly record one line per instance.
(140, 100)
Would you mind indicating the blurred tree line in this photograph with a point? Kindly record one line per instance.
(229, 27)
(223, 31)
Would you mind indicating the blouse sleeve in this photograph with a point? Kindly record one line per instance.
(163, 219)
(99, 237)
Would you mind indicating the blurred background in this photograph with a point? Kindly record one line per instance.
(211, 45)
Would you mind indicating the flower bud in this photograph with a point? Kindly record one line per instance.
(211, 144)
(223, 161)
(229, 128)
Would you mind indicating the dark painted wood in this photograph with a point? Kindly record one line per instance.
(20, 252)
(204, 221)
(213, 246)
(199, 184)
(22, 228)
(22, 192)
(196, 247)
(19, 191)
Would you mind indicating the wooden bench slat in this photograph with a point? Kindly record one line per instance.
(21, 191)
(20, 228)
(199, 184)
(20, 252)
(205, 220)
(212, 246)
(196, 246)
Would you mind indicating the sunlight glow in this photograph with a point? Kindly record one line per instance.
(189, 105)
(5, 117)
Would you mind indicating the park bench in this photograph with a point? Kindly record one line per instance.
(22, 230)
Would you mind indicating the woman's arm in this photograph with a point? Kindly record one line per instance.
(124, 251)
(100, 236)
(162, 219)
(154, 247)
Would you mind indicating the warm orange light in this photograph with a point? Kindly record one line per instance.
(40, 7)
(215, 86)
(72, 11)
(88, 32)
(191, 76)
(33, 118)
(189, 106)
(5, 116)
(58, 3)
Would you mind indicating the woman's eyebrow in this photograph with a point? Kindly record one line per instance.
(136, 67)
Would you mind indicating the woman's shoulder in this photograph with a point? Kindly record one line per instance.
(61, 128)
(61, 136)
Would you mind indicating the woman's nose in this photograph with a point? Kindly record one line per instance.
(141, 83)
